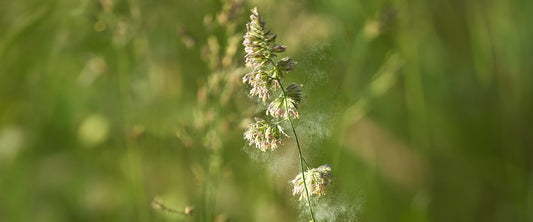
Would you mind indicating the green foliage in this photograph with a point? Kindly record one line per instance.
(423, 108)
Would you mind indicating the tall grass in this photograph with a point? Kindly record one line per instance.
(421, 107)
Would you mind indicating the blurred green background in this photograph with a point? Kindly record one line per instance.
(423, 108)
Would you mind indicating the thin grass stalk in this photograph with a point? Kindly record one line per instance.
(302, 160)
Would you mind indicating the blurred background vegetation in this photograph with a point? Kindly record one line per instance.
(423, 108)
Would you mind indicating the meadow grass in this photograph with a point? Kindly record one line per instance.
(422, 108)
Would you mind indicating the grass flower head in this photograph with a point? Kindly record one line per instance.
(260, 47)
(318, 181)
(265, 78)
(264, 135)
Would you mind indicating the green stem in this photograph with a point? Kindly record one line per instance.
(302, 160)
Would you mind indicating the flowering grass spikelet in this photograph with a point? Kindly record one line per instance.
(318, 181)
(264, 135)
(286, 105)
(282, 107)
(295, 93)
(259, 82)
(265, 80)
(287, 64)
(260, 48)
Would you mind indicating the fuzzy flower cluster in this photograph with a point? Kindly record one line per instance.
(283, 106)
(261, 48)
(264, 135)
(261, 52)
(265, 81)
(317, 180)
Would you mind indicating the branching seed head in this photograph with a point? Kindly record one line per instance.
(261, 48)
(287, 64)
(264, 135)
(287, 104)
(294, 92)
(317, 180)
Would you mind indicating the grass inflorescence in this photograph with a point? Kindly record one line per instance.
(265, 81)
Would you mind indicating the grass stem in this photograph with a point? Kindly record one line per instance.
(302, 160)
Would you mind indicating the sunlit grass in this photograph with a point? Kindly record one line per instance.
(422, 107)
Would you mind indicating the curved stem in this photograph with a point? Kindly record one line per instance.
(302, 160)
